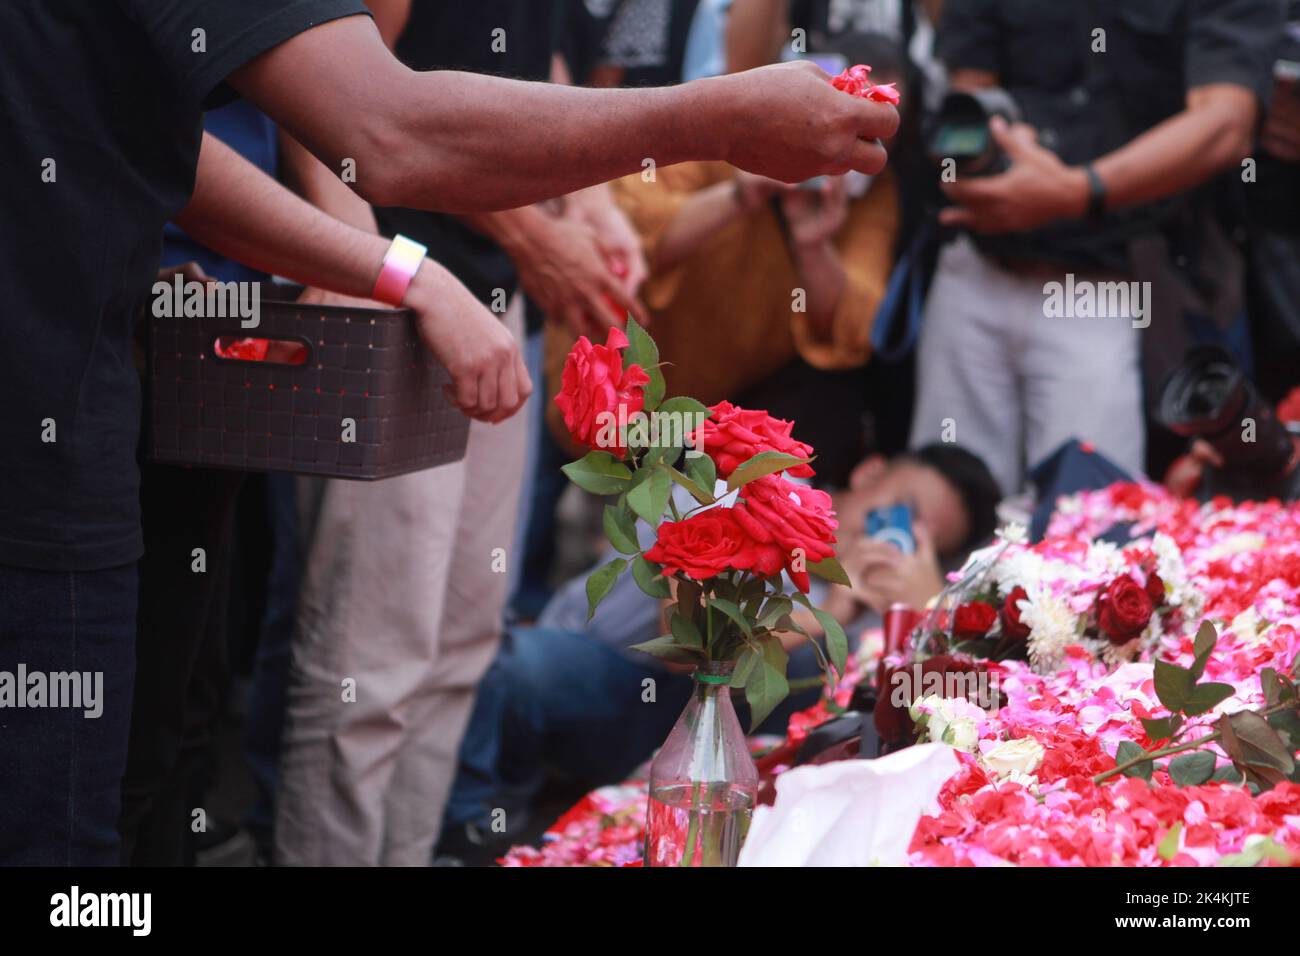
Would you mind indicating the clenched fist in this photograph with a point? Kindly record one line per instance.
(787, 122)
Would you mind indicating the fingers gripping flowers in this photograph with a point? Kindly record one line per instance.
(856, 81)
(722, 562)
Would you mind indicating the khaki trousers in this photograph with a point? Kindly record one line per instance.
(399, 616)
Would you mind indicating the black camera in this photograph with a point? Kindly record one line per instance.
(960, 132)
(1210, 398)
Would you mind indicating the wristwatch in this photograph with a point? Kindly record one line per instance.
(1096, 193)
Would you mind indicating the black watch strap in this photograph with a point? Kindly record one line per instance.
(1096, 193)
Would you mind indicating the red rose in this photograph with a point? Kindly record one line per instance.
(973, 620)
(795, 518)
(732, 435)
(1012, 626)
(710, 543)
(1123, 610)
(594, 387)
(1155, 589)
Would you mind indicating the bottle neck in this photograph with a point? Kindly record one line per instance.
(713, 679)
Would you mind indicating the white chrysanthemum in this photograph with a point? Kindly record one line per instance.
(1052, 628)
(1019, 569)
(1013, 533)
(1106, 557)
(1179, 590)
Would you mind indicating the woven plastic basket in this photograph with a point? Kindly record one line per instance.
(366, 403)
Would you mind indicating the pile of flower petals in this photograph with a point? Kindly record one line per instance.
(605, 828)
(1245, 560)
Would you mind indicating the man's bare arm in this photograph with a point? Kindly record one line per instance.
(1210, 135)
(1213, 133)
(242, 213)
(459, 142)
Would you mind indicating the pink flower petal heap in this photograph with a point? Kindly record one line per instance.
(1243, 560)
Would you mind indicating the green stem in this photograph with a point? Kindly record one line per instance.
(693, 830)
(1179, 748)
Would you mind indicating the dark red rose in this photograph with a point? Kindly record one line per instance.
(1155, 589)
(732, 435)
(1123, 610)
(593, 388)
(1012, 626)
(710, 543)
(973, 620)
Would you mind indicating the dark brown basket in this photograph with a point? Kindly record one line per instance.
(364, 364)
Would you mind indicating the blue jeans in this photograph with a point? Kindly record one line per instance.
(566, 701)
(61, 770)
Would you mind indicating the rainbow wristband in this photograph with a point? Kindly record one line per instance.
(401, 263)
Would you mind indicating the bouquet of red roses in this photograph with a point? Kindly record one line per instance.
(724, 562)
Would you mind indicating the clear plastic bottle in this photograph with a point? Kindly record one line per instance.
(703, 782)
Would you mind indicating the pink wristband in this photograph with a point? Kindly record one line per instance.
(401, 263)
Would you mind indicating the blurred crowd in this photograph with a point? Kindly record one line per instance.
(899, 320)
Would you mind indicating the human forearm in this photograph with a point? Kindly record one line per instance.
(755, 30)
(322, 188)
(1211, 135)
(242, 213)
(436, 140)
(701, 216)
(822, 276)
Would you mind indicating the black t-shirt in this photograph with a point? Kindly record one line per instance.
(100, 121)
(447, 36)
(1088, 104)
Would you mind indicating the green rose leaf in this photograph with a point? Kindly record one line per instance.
(1204, 697)
(694, 488)
(829, 569)
(1259, 744)
(1159, 728)
(599, 472)
(763, 464)
(1129, 751)
(665, 647)
(1271, 684)
(767, 685)
(1192, 770)
(1287, 722)
(777, 607)
(601, 582)
(701, 470)
(733, 612)
(620, 528)
(650, 498)
(750, 658)
(685, 632)
(1226, 774)
(837, 642)
(1173, 684)
(641, 350)
(649, 577)
(1202, 647)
